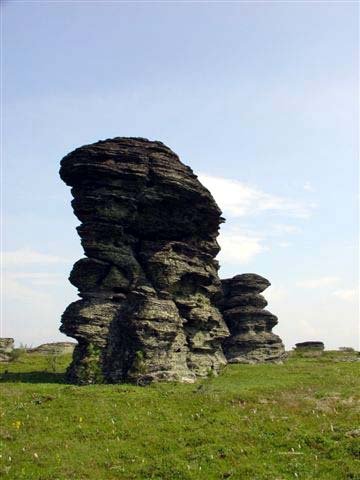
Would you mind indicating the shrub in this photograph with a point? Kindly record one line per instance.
(17, 353)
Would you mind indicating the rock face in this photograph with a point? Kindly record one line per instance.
(251, 339)
(55, 348)
(6, 347)
(149, 282)
(310, 345)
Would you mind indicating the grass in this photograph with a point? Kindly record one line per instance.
(254, 422)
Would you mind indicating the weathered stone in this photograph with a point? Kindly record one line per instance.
(6, 345)
(149, 284)
(6, 348)
(245, 283)
(310, 345)
(251, 339)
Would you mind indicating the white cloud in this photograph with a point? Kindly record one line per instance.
(37, 278)
(27, 256)
(284, 244)
(238, 199)
(308, 187)
(347, 294)
(239, 247)
(309, 331)
(280, 229)
(31, 314)
(15, 290)
(318, 282)
(275, 294)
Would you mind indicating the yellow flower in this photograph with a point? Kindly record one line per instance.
(17, 424)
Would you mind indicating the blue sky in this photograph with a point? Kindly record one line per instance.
(259, 98)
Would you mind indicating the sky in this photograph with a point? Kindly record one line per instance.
(261, 99)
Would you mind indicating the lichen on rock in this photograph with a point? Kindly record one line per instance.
(149, 283)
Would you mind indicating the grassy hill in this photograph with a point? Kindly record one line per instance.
(254, 422)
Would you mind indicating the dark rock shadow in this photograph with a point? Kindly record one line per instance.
(32, 377)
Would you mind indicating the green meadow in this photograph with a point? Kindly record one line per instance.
(299, 420)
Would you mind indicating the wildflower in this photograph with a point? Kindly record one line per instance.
(17, 424)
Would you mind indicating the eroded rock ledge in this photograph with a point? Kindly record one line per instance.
(251, 338)
(149, 284)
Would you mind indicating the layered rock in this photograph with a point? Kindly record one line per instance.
(251, 338)
(6, 348)
(149, 284)
(310, 345)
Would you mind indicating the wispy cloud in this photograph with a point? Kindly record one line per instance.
(284, 244)
(281, 229)
(27, 256)
(275, 293)
(36, 278)
(309, 331)
(318, 282)
(308, 187)
(239, 247)
(238, 199)
(18, 291)
(347, 294)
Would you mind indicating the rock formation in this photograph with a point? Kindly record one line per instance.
(312, 345)
(6, 348)
(251, 339)
(149, 282)
(54, 348)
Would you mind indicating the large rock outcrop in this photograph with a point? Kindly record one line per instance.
(251, 339)
(149, 282)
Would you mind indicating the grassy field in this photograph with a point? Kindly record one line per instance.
(254, 422)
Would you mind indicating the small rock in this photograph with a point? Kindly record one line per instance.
(311, 345)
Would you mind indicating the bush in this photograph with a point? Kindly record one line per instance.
(17, 353)
(52, 361)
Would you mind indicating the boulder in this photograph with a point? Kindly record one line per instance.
(6, 345)
(6, 348)
(310, 345)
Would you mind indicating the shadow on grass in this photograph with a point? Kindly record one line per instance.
(32, 377)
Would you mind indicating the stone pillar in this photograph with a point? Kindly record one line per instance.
(149, 281)
(251, 339)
